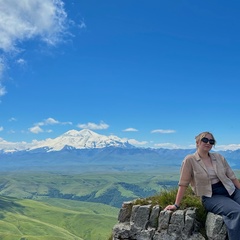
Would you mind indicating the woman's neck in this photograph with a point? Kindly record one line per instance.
(203, 154)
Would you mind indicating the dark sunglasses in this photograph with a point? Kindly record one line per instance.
(206, 140)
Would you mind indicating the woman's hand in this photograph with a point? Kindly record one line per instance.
(171, 207)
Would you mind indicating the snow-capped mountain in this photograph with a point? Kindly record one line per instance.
(86, 150)
(81, 140)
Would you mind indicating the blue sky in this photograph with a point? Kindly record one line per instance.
(154, 72)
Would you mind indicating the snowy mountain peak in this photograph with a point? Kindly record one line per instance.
(82, 133)
(82, 139)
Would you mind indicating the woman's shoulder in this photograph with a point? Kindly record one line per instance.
(217, 156)
(190, 157)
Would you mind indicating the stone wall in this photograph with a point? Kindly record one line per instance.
(146, 222)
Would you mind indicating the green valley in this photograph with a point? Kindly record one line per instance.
(54, 219)
(51, 205)
(60, 206)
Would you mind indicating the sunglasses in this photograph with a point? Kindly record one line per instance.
(206, 140)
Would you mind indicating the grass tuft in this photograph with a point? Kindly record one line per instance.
(167, 197)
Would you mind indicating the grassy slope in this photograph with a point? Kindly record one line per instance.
(55, 219)
(109, 188)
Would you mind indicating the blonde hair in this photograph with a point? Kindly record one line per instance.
(202, 135)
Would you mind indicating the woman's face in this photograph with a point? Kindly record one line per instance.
(205, 146)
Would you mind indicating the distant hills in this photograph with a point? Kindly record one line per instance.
(86, 150)
(82, 178)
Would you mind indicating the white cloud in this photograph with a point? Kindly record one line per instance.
(227, 147)
(27, 19)
(24, 20)
(167, 145)
(12, 119)
(82, 25)
(21, 61)
(162, 131)
(50, 121)
(10, 146)
(231, 147)
(2, 68)
(2, 90)
(35, 129)
(130, 130)
(93, 126)
(1, 129)
(137, 143)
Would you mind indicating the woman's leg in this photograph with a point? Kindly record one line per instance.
(228, 209)
(236, 196)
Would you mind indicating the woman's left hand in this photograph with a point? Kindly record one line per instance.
(170, 207)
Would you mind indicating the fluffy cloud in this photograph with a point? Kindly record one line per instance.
(2, 90)
(27, 19)
(24, 20)
(93, 126)
(227, 147)
(2, 68)
(130, 130)
(35, 129)
(163, 131)
(11, 146)
(167, 145)
(38, 127)
(137, 143)
(50, 121)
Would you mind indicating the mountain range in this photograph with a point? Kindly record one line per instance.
(83, 139)
(86, 150)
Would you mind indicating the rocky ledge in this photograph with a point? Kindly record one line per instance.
(147, 222)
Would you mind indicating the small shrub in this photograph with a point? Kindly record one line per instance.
(167, 197)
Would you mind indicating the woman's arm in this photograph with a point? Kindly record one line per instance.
(236, 183)
(180, 194)
(185, 178)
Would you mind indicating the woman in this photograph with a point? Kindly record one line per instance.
(213, 180)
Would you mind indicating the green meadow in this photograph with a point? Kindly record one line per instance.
(54, 219)
(107, 188)
(56, 206)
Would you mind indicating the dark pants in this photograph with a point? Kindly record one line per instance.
(227, 206)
